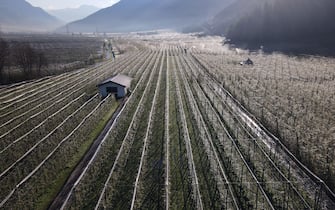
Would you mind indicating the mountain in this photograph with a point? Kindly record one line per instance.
(139, 15)
(72, 14)
(20, 16)
(278, 23)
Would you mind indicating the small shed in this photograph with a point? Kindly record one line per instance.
(118, 85)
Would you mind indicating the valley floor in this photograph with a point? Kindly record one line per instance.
(198, 131)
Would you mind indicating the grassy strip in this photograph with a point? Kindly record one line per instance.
(50, 193)
(181, 186)
(126, 176)
(152, 179)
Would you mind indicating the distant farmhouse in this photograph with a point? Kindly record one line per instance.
(118, 85)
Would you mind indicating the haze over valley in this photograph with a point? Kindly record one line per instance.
(72, 14)
(301, 26)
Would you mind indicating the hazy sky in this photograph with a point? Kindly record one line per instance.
(60, 4)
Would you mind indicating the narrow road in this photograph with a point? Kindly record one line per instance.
(58, 201)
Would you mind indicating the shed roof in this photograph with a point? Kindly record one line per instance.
(120, 79)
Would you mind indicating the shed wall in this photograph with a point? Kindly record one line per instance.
(121, 91)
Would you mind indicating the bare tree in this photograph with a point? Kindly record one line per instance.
(4, 51)
(41, 61)
(25, 57)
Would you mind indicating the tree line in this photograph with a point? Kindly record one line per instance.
(22, 56)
